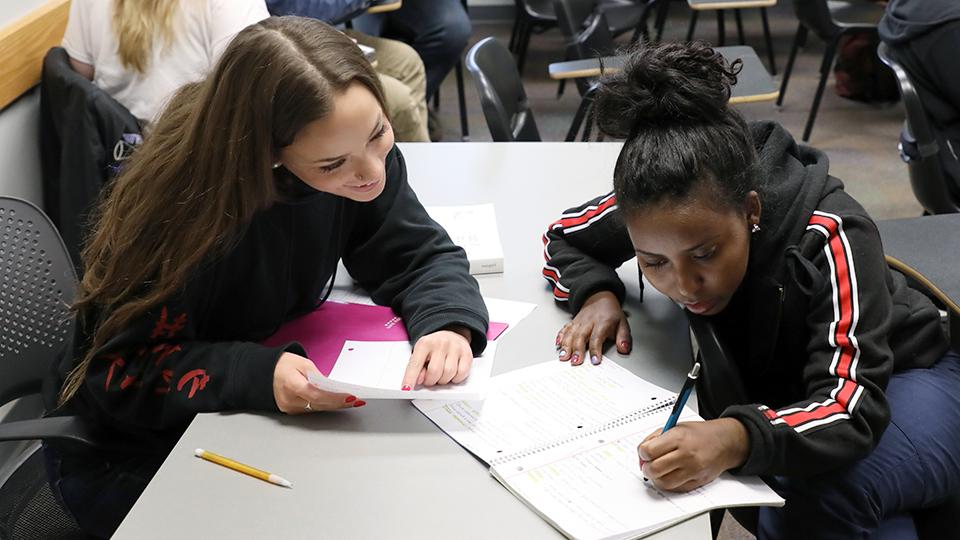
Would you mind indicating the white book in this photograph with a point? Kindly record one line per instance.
(474, 228)
(564, 440)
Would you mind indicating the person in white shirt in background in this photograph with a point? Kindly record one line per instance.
(140, 53)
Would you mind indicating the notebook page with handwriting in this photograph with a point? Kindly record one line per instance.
(530, 406)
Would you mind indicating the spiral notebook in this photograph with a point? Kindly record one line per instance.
(564, 440)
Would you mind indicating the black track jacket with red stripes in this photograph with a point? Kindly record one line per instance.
(817, 326)
(199, 351)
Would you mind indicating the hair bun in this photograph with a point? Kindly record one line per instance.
(665, 84)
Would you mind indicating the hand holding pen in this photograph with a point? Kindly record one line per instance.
(682, 457)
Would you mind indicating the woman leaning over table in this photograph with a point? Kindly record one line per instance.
(850, 405)
(229, 221)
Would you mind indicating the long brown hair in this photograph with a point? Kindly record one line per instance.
(206, 168)
(137, 24)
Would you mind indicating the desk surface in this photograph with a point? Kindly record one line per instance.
(754, 82)
(926, 248)
(384, 470)
(703, 5)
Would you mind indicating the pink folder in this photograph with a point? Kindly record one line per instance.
(324, 331)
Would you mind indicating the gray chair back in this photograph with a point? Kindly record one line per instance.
(37, 286)
(927, 178)
(502, 96)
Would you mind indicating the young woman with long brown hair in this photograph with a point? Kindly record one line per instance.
(228, 221)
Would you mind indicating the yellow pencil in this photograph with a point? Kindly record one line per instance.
(240, 467)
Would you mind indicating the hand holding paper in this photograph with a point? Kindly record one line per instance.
(364, 350)
(295, 395)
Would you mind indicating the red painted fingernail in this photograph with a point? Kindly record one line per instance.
(558, 339)
(575, 359)
(624, 344)
(350, 399)
(406, 388)
(359, 403)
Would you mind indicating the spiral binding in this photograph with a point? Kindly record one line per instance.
(616, 422)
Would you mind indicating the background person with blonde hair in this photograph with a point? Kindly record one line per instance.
(141, 52)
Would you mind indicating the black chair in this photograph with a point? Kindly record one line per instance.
(829, 20)
(535, 16)
(721, 7)
(532, 16)
(919, 147)
(37, 284)
(588, 36)
(502, 96)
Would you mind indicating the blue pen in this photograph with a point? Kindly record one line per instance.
(682, 398)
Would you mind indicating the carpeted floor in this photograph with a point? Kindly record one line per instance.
(860, 139)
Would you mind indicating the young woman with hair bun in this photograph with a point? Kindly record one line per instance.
(850, 408)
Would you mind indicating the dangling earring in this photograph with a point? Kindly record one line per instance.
(755, 228)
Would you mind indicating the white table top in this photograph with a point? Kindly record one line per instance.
(384, 470)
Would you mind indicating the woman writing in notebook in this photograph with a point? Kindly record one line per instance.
(230, 220)
(849, 406)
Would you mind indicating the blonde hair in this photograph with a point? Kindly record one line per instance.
(137, 25)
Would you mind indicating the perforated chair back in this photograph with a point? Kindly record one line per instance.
(37, 285)
(502, 96)
(927, 178)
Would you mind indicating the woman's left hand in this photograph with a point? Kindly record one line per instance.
(442, 357)
(693, 454)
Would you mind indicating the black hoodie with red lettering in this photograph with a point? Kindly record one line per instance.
(815, 329)
(199, 351)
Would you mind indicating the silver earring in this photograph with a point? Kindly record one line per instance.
(755, 228)
(276, 165)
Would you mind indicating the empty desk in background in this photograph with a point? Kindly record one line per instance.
(754, 82)
(927, 250)
(385, 471)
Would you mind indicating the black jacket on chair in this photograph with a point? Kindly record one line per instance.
(80, 124)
